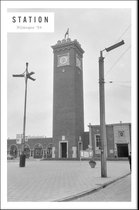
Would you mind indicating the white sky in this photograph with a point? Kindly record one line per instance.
(95, 29)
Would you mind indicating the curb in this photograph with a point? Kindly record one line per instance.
(72, 197)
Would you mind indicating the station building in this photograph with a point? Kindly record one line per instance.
(118, 143)
(69, 137)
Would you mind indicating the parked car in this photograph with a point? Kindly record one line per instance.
(10, 157)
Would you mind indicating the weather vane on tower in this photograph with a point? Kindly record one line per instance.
(67, 33)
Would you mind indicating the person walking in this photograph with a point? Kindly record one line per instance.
(129, 158)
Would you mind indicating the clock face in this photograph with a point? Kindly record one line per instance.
(63, 60)
(78, 62)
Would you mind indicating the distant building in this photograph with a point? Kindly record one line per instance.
(118, 143)
(36, 147)
(118, 140)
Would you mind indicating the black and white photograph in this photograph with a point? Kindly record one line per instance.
(68, 111)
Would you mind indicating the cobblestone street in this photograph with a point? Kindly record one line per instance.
(56, 180)
(118, 191)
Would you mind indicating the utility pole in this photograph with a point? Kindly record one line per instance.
(103, 137)
(27, 76)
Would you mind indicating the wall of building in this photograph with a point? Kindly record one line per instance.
(118, 142)
(122, 138)
(117, 146)
(31, 143)
(110, 140)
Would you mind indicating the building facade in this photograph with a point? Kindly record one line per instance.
(35, 147)
(118, 143)
(118, 140)
(68, 111)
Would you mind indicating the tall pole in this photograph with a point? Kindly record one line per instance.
(25, 104)
(103, 137)
(27, 76)
(102, 117)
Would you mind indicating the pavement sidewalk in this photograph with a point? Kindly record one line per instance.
(59, 180)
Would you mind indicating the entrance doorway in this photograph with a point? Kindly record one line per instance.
(49, 151)
(63, 149)
(122, 150)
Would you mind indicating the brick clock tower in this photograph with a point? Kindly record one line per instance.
(68, 110)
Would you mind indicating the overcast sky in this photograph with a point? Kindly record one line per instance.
(95, 29)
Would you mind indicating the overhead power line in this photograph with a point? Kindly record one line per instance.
(125, 84)
(118, 81)
(124, 33)
(121, 36)
(117, 60)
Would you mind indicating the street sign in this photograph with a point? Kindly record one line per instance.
(19, 138)
(26, 138)
(86, 154)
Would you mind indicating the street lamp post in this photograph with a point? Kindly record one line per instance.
(102, 109)
(27, 76)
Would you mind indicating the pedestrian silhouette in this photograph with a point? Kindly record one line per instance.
(129, 158)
